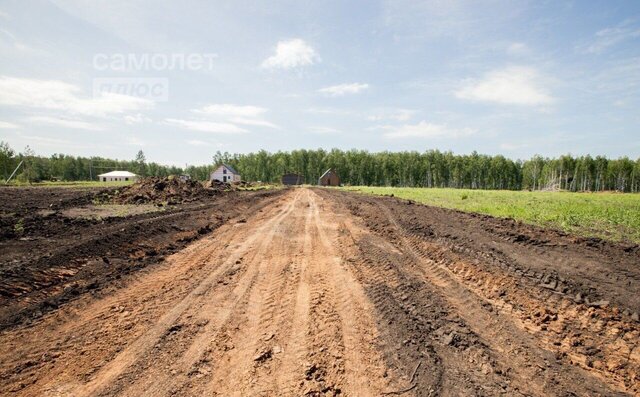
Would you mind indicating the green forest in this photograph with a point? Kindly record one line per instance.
(432, 168)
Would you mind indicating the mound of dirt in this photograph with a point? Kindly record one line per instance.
(163, 190)
(217, 185)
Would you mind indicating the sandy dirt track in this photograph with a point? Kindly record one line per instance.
(320, 292)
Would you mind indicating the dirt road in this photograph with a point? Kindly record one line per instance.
(320, 292)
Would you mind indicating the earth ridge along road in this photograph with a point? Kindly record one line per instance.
(322, 292)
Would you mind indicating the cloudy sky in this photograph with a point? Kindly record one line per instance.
(182, 79)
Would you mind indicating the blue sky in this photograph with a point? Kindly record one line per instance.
(182, 79)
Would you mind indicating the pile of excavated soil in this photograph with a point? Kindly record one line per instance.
(217, 185)
(164, 190)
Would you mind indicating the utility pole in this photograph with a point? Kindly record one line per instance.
(14, 172)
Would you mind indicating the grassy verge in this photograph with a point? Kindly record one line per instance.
(613, 216)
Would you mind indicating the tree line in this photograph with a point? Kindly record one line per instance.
(64, 167)
(434, 168)
(431, 168)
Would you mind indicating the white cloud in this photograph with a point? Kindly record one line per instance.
(325, 110)
(18, 45)
(58, 95)
(207, 126)
(291, 54)
(393, 114)
(518, 49)
(60, 144)
(65, 122)
(324, 130)
(8, 34)
(425, 130)
(620, 103)
(4, 15)
(229, 110)
(343, 89)
(7, 125)
(138, 118)
(135, 141)
(609, 37)
(205, 144)
(513, 146)
(514, 85)
(196, 142)
(109, 103)
(619, 75)
(253, 122)
(236, 114)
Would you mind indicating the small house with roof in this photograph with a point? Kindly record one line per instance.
(329, 178)
(118, 176)
(225, 173)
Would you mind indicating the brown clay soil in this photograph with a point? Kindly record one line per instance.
(315, 292)
(160, 190)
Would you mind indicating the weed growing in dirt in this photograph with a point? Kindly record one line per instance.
(613, 216)
(18, 228)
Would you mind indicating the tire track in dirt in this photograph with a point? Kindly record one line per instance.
(529, 355)
(410, 334)
(196, 255)
(296, 324)
(364, 366)
(294, 338)
(240, 370)
(325, 356)
(159, 384)
(491, 328)
(538, 357)
(539, 322)
(424, 339)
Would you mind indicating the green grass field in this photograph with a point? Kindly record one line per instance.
(613, 216)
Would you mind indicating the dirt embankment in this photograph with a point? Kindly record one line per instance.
(167, 191)
(55, 257)
(322, 293)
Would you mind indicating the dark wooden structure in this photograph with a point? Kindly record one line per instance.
(329, 178)
(292, 178)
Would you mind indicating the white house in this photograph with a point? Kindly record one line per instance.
(117, 176)
(225, 173)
